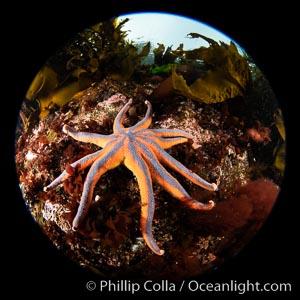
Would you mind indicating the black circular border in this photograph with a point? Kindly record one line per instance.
(29, 39)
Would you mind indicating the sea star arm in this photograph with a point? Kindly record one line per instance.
(171, 162)
(167, 181)
(79, 164)
(118, 126)
(146, 121)
(111, 157)
(137, 165)
(170, 133)
(166, 143)
(87, 137)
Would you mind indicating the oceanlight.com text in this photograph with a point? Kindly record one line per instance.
(239, 287)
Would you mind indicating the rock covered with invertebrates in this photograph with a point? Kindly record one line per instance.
(110, 242)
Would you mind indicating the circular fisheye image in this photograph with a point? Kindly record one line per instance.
(150, 146)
